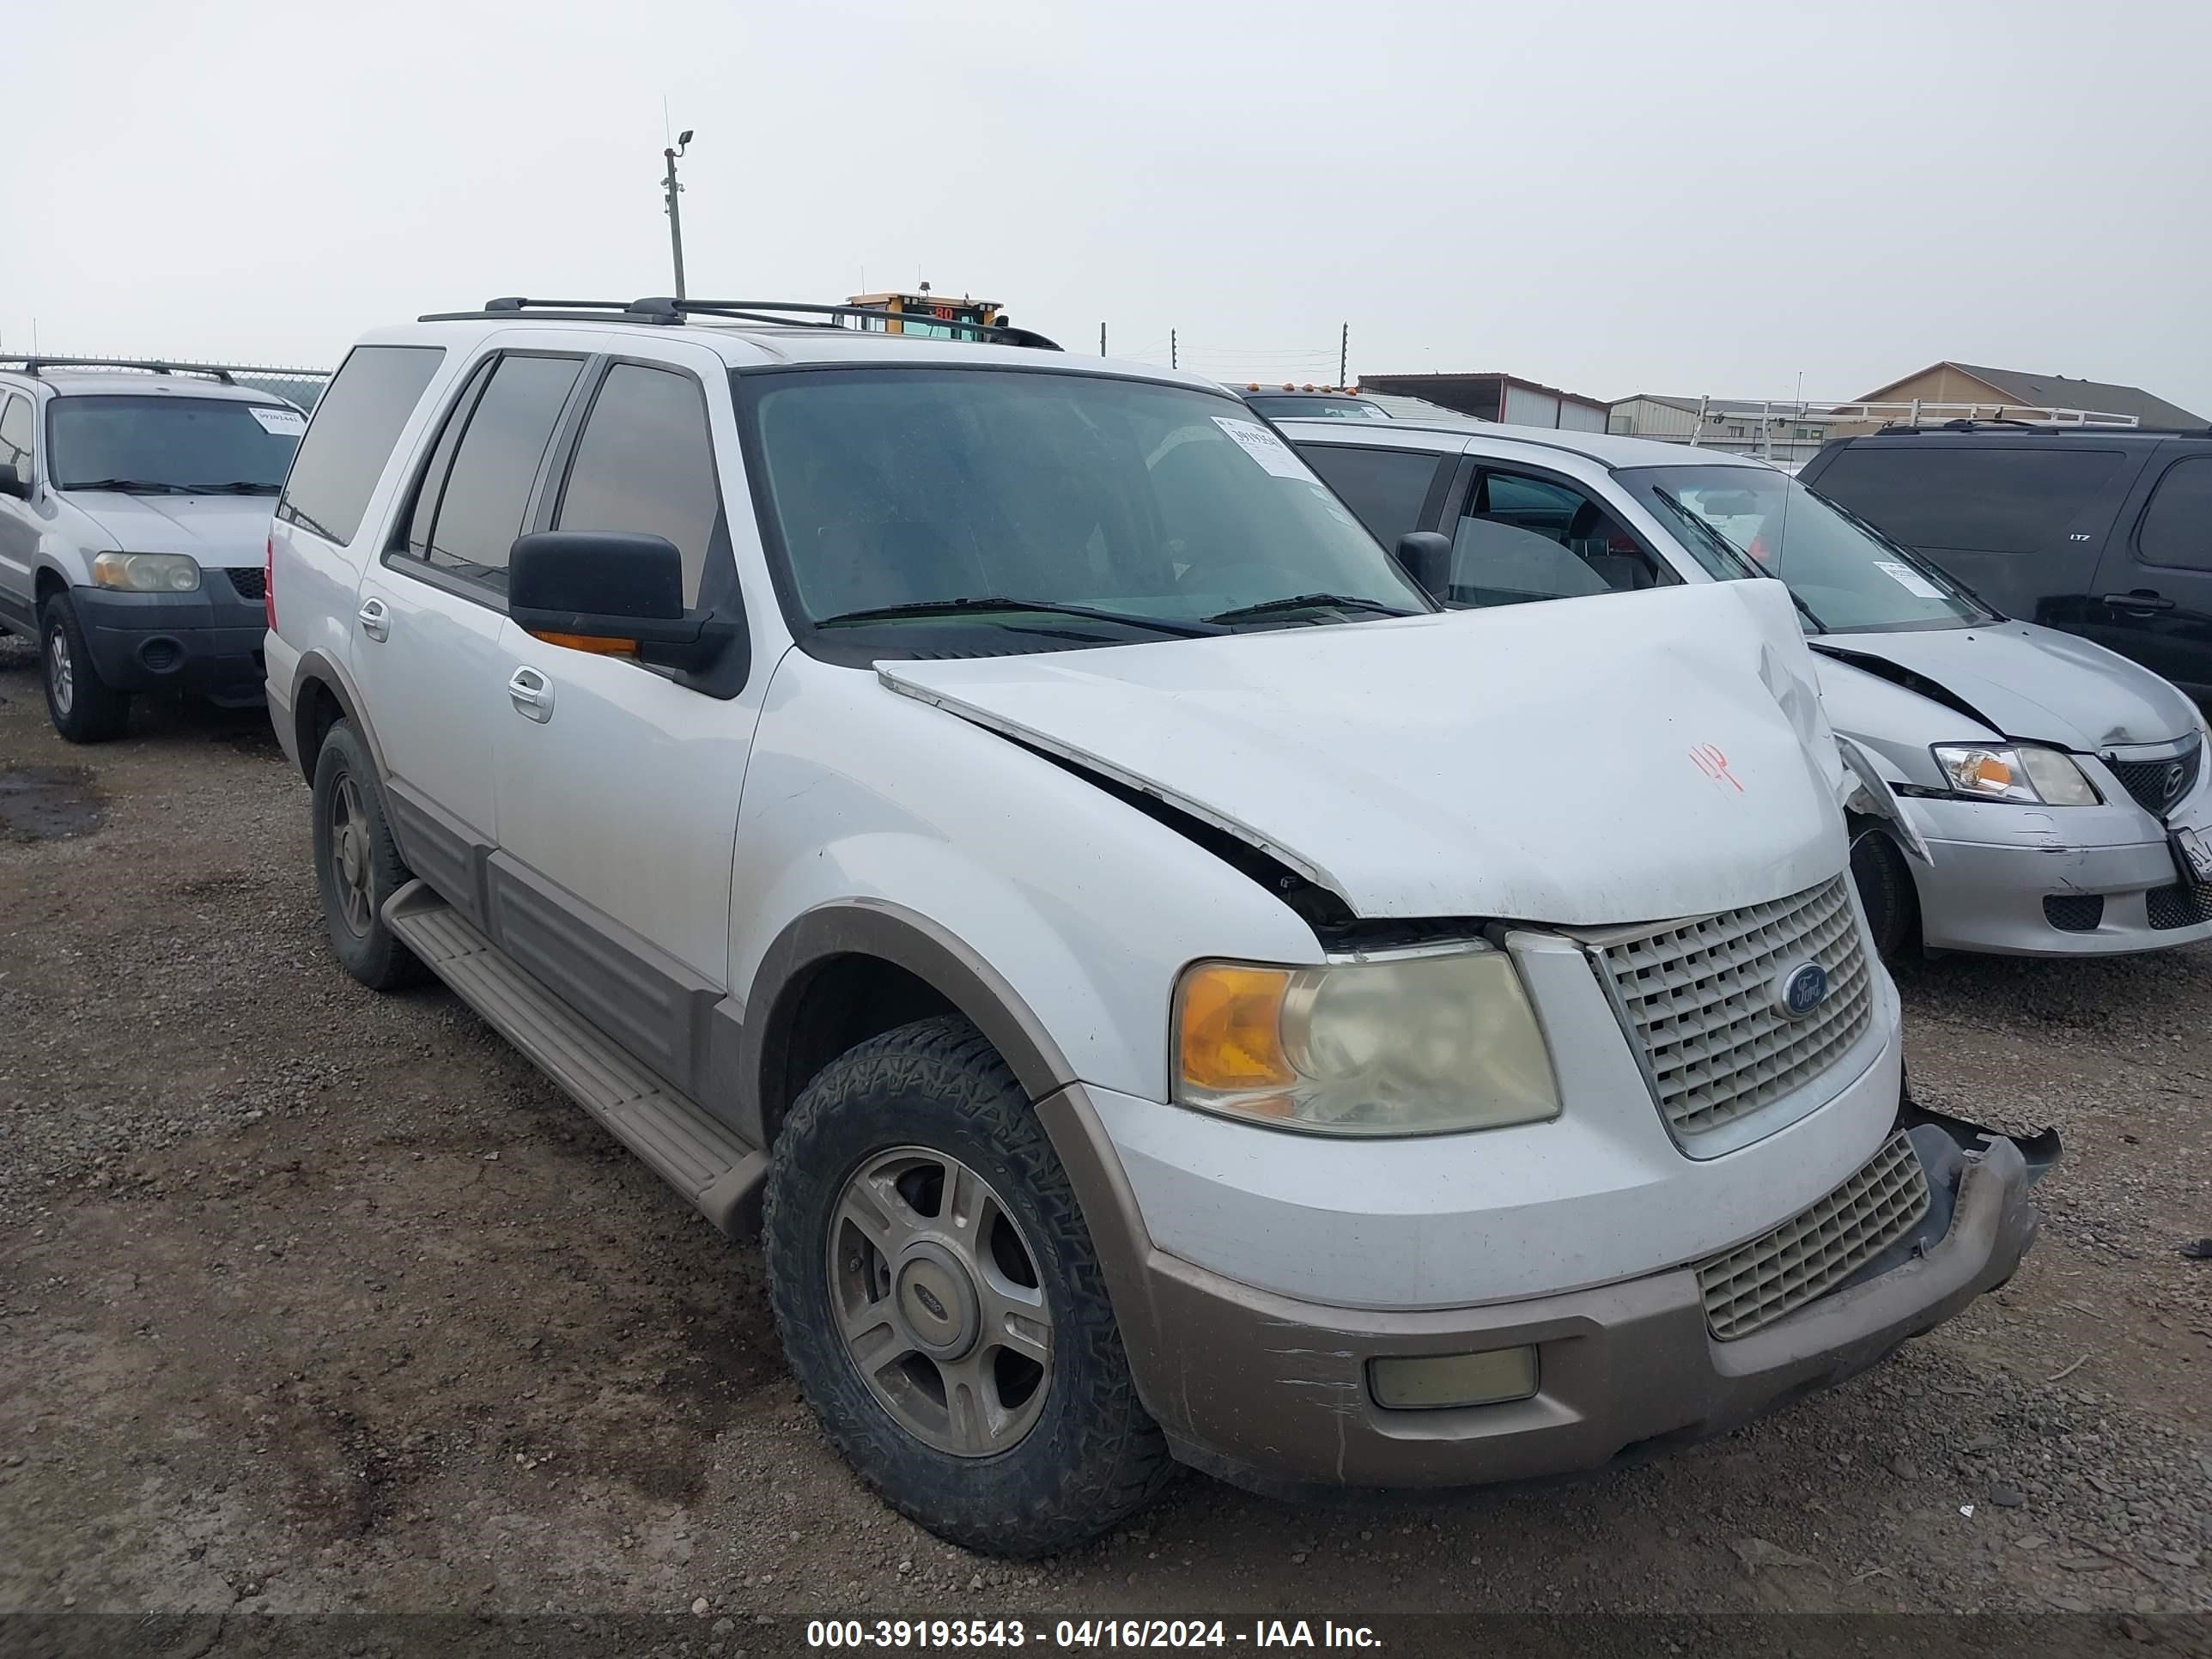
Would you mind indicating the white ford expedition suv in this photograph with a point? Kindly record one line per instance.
(994, 822)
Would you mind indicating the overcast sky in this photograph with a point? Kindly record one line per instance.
(1612, 198)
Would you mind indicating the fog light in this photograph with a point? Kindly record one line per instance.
(1434, 1382)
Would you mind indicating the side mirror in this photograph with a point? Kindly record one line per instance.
(613, 594)
(1426, 557)
(11, 483)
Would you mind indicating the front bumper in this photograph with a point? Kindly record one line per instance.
(1272, 1392)
(208, 642)
(2057, 899)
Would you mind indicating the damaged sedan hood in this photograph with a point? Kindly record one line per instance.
(1618, 758)
(2026, 682)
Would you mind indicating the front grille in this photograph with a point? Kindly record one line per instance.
(250, 584)
(1697, 999)
(1811, 1253)
(2074, 913)
(2179, 906)
(2156, 785)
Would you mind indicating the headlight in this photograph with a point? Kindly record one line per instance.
(2025, 772)
(1407, 1046)
(147, 572)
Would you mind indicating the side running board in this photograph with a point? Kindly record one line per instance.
(687, 1147)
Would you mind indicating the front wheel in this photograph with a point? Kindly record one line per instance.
(942, 1305)
(84, 708)
(1886, 890)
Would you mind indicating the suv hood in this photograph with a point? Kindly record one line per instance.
(218, 531)
(1587, 762)
(2031, 683)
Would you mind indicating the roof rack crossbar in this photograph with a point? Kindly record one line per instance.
(788, 313)
(33, 362)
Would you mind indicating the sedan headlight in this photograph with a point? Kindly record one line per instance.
(1404, 1046)
(2022, 772)
(147, 572)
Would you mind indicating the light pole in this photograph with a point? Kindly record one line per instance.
(675, 214)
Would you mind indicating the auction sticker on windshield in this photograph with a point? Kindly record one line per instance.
(1909, 578)
(284, 423)
(1263, 446)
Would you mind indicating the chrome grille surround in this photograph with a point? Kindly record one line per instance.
(1808, 1255)
(1696, 1001)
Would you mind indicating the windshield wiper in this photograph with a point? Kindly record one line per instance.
(125, 486)
(984, 607)
(1309, 602)
(235, 487)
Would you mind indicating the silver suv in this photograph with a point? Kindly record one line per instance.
(134, 527)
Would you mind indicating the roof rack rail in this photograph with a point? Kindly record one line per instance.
(788, 313)
(34, 362)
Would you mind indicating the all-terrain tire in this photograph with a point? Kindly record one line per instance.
(367, 950)
(1094, 1455)
(84, 708)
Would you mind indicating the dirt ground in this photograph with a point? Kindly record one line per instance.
(317, 1301)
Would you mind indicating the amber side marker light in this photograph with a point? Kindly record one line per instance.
(596, 648)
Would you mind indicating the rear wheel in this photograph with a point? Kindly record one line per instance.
(357, 864)
(941, 1304)
(1886, 890)
(84, 708)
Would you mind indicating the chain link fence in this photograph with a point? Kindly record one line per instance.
(302, 387)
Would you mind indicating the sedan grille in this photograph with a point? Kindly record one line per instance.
(2157, 785)
(250, 584)
(1811, 1253)
(1698, 1002)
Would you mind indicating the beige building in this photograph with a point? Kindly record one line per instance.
(2030, 395)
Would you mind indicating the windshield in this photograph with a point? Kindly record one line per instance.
(1847, 577)
(182, 444)
(1318, 409)
(1120, 510)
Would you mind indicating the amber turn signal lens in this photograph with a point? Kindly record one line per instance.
(598, 647)
(1228, 1031)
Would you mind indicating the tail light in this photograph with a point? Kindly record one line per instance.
(269, 582)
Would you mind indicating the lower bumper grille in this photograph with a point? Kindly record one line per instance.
(1773, 1276)
(251, 584)
(2074, 913)
(2179, 906)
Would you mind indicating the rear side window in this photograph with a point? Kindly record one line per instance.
(646, 465)
(2177, 526)
(355, 425)
(2013, 499)
(1384, 487)
(15, 433)
(479, 512)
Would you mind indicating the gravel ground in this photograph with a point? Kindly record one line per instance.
(316, 1301)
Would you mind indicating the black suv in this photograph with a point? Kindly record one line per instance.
(2104, 533)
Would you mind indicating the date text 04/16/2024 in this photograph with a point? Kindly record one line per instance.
(925, 1634)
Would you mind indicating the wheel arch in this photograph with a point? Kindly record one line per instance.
(842, 973)
(323, 694)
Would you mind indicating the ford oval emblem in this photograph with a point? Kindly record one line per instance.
(1801, 990)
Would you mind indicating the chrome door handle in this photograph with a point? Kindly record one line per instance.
(2140, 603)
(532, 694)
(375, 619)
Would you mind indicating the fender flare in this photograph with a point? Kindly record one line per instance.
(907, 939)
(319, 666)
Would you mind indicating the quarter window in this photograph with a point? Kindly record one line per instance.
(356, 422)
(480, 510)
(2010, 500)
(646, 465)
(2177, 526)
(1384, 488)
